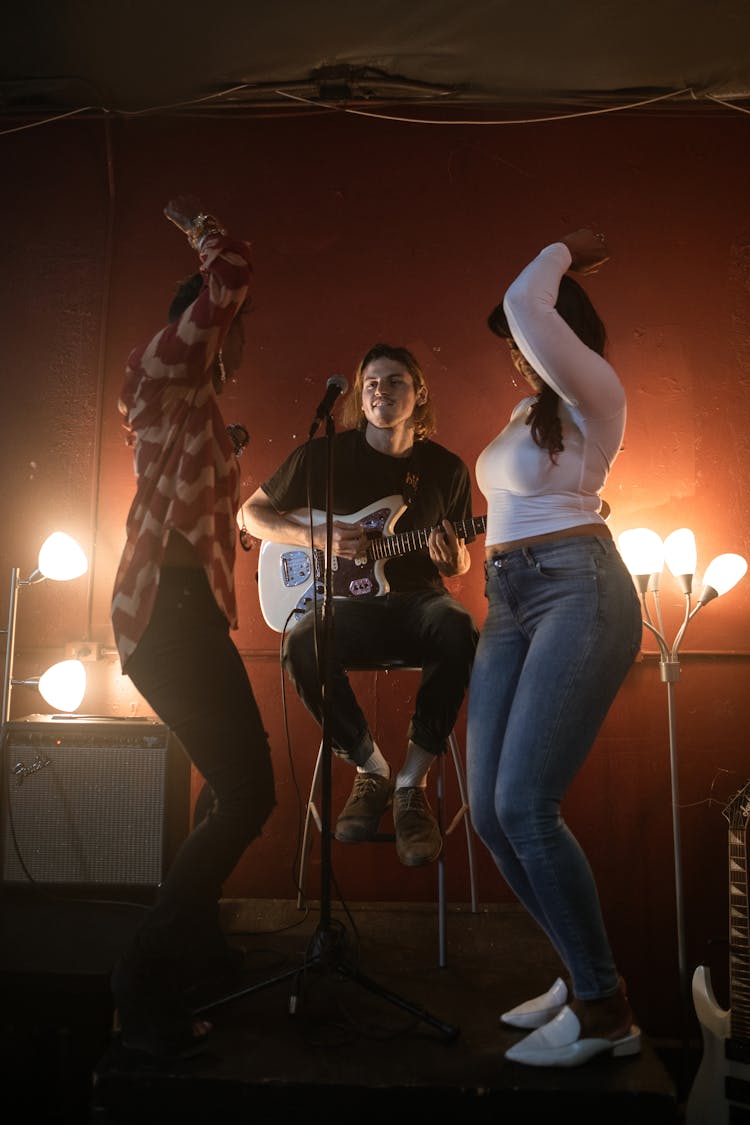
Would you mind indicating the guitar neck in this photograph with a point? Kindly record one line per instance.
(389, 546)
(739, 947)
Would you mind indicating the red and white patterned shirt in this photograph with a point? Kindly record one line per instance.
(185, 465)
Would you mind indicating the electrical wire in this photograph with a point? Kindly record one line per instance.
(329, 107)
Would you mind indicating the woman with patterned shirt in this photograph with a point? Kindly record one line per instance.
(172, 610)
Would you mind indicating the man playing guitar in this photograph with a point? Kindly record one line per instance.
(410, 617)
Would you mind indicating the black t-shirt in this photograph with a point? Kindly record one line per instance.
(434, 483)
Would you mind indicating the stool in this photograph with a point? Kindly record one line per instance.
(312, 814)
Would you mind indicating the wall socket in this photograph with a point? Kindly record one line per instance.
(85, 651)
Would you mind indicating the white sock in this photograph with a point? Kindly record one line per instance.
(376, 763)
(413, 772)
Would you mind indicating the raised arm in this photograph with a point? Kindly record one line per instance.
(578, 374)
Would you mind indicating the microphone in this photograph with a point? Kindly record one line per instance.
(336, 385)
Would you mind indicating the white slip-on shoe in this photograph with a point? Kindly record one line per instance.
(534, 1013)
(559, 1043)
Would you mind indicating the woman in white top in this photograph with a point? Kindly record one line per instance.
(562, 630)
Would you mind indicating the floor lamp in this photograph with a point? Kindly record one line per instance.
(645, 554)
(64, 684)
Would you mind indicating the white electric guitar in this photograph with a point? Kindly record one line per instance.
(290, 577)
(720, 1094)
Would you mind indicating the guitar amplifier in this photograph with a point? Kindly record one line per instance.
(92, 801)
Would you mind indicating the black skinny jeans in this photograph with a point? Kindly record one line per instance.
(428, 628)
(190, 672)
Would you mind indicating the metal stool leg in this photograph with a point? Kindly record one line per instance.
(312, 814)
(442, 909)
(463, 814)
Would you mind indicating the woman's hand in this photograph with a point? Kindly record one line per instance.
(588, 250)
(183, 210)
(186, 213)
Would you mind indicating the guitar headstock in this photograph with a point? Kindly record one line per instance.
(738, 808)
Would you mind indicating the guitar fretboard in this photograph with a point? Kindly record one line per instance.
(389, 546)
(739, 943)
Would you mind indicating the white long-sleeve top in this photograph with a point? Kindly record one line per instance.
(527, 493)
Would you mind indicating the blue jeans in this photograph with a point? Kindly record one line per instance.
(190, 672)
(428, 628)
(563, 628)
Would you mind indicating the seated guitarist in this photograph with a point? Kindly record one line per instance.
(387, 450)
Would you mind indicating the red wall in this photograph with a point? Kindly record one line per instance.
(368, 230)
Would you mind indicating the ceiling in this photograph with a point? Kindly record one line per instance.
(169, 57)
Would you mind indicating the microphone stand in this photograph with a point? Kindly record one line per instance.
(326, 948)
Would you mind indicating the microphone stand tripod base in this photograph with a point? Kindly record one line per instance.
(327, 952)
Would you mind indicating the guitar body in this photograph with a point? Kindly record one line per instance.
(707, 1104)
(290, 577)
(720, 1094)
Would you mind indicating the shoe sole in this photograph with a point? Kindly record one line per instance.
(161, 1050)
(418, 861)
(578, 1053)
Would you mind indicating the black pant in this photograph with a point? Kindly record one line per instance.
(428, 628)
(190, 672)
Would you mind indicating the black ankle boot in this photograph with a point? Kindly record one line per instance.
(151, 1011)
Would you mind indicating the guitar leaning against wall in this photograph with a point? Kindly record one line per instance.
(290, 577)
(720, 1094)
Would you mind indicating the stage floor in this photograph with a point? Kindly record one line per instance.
(348, 1015)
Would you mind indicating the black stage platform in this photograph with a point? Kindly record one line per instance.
(345, 1050)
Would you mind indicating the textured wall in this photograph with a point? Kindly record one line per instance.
(366, 230)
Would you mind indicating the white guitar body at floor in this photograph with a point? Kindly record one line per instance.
(707, 1104)
(720, 1094)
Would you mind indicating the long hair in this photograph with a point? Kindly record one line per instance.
(423, 419)
(187, 292)
(575, 307)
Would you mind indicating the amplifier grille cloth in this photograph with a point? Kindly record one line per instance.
(85, 813)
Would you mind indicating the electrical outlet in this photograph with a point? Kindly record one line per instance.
(85, 651)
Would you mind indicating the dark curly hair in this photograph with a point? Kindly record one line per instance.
(575, 307)
(187, 291)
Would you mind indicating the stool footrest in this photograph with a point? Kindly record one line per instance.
(463, 815)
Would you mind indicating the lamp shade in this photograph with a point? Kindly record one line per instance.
(723, 572)
(61, 558)
(680, 552)
(642, 551)
(63, 685)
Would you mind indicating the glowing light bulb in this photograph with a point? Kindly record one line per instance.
(642, 551)
(63, 685)
(61, 558)
(680, 552)
(722, 573)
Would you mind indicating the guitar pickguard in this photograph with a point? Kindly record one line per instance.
(363, 577)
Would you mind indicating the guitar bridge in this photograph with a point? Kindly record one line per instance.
(295, 567)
